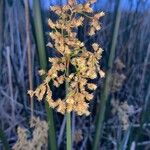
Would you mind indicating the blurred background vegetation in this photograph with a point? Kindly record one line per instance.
(120, 114)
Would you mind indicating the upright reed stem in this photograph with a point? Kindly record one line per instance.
(105, 91)
(43, 63)
(68, 115)
(68, 131)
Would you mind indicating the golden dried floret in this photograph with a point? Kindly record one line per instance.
(67, 50)
(69, 107)
(80, 97)
(99, 15)
(73, 84)
(71, 2)
(89, 96)
(51, 103)
(56, 9)
(102, 74)
(87, 8)
(79, 21)
(70, 100)
(42, 72)
(78, 8)
(66, 8)
(91, 86)
(61, 106)
(95, 24)
(51, 24)
(60, 79)
(91, 74)
(71, 75)
(95, 46)
(92, 31)
(40, 91)
(31, 93)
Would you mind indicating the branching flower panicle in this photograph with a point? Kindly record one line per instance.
(73, 54)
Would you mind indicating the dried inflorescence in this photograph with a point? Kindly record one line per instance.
(117, 78)
(76, 65)
(124, 111)
(39, 136)
(78, 136)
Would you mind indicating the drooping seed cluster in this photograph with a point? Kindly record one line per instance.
(39, 137)
(76, 66)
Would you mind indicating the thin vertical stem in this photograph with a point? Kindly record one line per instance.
(68, 132)
(105, 91)
(68, 115)
(43, 63)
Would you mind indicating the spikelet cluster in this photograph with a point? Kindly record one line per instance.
(117, 78)
(123, 111)
(78, 136)
(76, 65)
(36, 140)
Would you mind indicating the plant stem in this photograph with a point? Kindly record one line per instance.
(68, 131)
(43, 63)
(105, 91)
(68, 114)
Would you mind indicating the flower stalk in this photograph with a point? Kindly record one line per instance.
(68, 114)
(68, 132)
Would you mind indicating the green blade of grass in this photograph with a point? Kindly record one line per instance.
(105, 91)
(43, 64)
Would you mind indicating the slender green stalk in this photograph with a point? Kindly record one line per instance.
(68, 115)
(39, 34)
(4, 140)
(43, 63)
(105, 91)
(68, 131)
